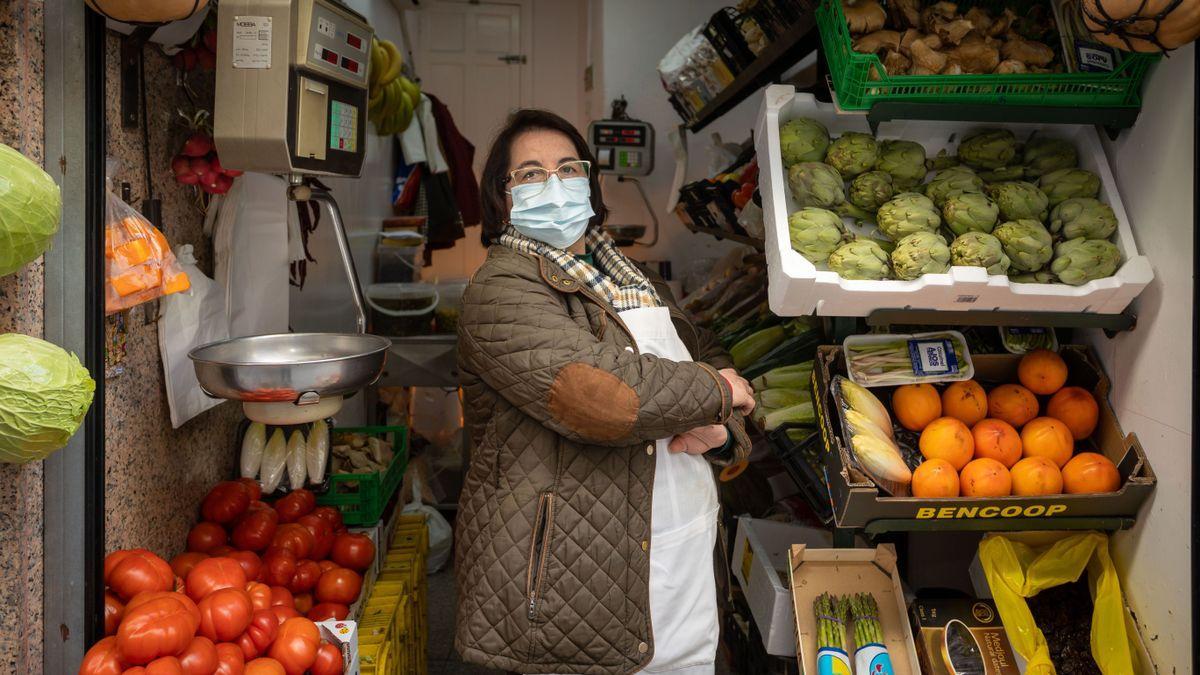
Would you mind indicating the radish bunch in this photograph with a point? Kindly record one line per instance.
(200, 52)
(197, 164)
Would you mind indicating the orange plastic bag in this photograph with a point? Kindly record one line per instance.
(140, 264)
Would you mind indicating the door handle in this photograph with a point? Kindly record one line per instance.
(513, 59)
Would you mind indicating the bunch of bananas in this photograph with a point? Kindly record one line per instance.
(393, 96)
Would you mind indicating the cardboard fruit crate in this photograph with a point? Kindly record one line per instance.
(857, 501)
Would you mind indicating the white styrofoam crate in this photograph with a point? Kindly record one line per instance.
(799, 288)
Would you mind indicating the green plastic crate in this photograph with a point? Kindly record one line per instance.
(363, 504)
(856, 90)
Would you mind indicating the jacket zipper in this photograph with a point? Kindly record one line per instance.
(539, 550)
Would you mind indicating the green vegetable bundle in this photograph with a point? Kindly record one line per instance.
(830, 611)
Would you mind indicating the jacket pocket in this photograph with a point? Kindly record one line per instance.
(539, 552)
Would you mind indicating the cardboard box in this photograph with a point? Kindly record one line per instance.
(344, 634)
(846, 571)
(857, 501)
(964, 633)
(760, 564)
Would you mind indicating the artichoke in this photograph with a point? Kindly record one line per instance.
(920, 253)
(953, 181)
(1019, 200)
(869, 191)
(853, 153)
(989, 149)
(860, 259)
(1026, 242)
(803, 140)
(941, 161)
(815, 233)
(816, 184)
(1043, 155)
(970, 212)
(1003, 174)
(1066, 183)
(1042, 277)
(1083, 217)
(1078, 261)
(906, 213)
(904, 161)
(979, 249)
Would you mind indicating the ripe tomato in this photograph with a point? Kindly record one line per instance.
(328, 610)
(264, 667)
(200, 657)
(279, 566)
(322, 534)
(353, 550)
(304, 602)
(184, 562)
(114, 609)
(225, 613)
(205, 536)
(211, 574)
(307, 573)
(283, 613)
(329, 660)
(157, 624)
(136, 570)
(294, 537)
(259, 634)
(166, 665)
(295, 646)
(340, 585)
(295, 504)
(327, 565)
(250, 562)
(225, 502)
(330, 514)
(255, 531)
(230, 660)
(254, 488)
(260, 595)
(103, 659)
(282, 596)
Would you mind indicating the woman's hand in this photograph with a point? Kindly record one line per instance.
(700, 440)
(743, 395)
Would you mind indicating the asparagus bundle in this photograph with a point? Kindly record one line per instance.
(870, 654)
(830, 612)
(878, 361)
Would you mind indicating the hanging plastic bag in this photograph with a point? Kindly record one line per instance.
(1020, 566)
(189, 319)
(441, 536)
(140, 264)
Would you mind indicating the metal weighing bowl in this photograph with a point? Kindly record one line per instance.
(295, 368)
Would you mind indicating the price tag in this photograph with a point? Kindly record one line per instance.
(932, 357)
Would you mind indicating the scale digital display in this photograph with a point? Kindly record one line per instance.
(354, 41)
(623, 147)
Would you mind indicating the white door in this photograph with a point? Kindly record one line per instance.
(474, 57)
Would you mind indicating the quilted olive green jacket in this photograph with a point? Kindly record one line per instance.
(553, 530)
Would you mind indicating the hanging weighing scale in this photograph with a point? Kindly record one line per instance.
(624, 147)
(291, 100)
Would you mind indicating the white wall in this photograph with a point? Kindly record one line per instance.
(635, 35)
(1151, 366)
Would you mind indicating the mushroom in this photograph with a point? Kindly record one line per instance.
(975, 57)
(945, 11)
(951, 32)
(864, 16)
(926, 59)
(980, 18)
(896, 63)
(952, 68)
(1010, 66)
(1001, 25)
(905, 13)
(877, 42)
(1017, 48)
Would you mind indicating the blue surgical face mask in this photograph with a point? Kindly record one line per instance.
(556, 212)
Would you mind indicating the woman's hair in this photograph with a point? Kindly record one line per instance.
(495, 170)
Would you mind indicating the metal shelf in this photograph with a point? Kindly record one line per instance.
(779, 55)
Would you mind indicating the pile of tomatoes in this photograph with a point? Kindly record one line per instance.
(243, 598)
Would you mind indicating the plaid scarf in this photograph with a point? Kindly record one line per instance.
(614, 277)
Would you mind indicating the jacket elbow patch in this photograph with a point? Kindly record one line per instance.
(592, 402)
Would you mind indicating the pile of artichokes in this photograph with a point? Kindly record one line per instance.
(1022, 209)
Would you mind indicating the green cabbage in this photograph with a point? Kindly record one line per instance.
(30, 204)
(44, 393)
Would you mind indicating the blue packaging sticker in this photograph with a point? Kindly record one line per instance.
(932, 356)
(833, 661)
(1095, 58)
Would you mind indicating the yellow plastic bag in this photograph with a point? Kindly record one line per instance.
(1019, 566)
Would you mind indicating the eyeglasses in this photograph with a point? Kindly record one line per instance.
(536, 175)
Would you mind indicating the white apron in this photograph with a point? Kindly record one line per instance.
(683, 531)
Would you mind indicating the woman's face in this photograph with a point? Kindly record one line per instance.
(539, 147)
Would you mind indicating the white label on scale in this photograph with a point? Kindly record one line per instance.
(252, 42)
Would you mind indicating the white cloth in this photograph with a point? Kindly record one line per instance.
(419, 142)
(683, 531)
(189, 319)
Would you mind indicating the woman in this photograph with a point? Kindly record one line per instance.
(588, 517)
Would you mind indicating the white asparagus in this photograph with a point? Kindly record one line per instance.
(316, 453)
(253, 444)
(295, 460)
(274, 461)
